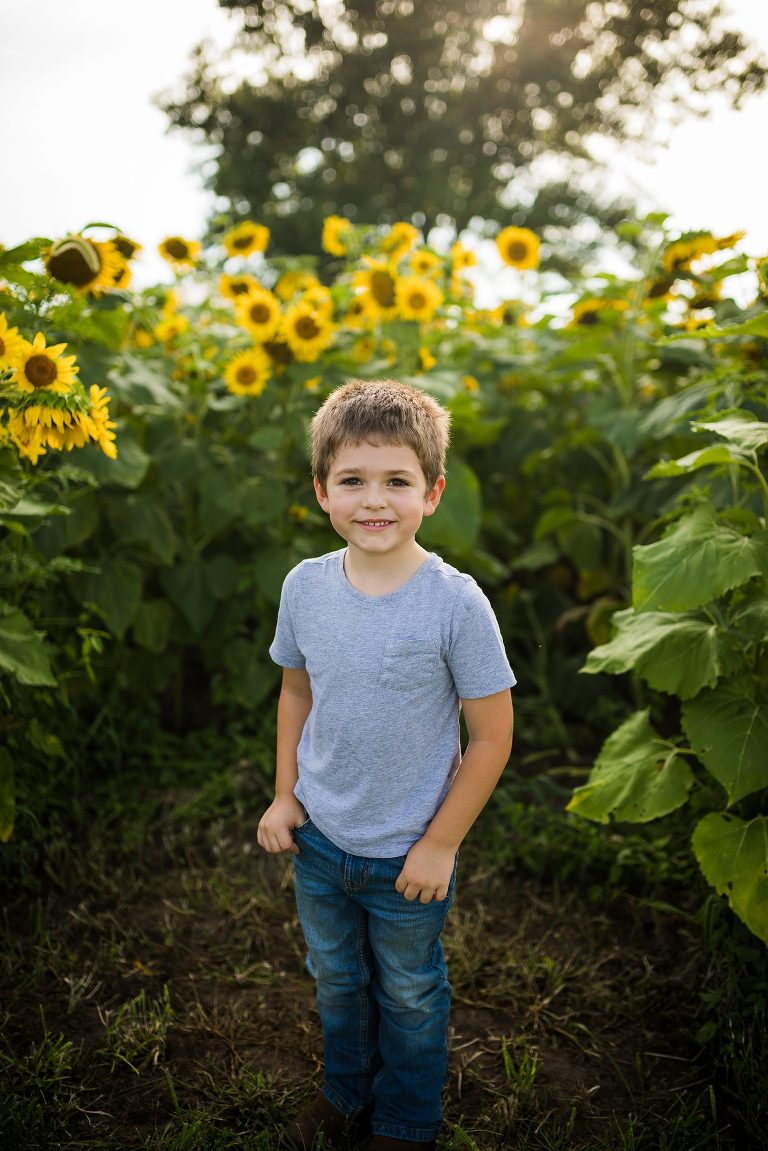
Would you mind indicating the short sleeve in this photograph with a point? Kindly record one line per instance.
(477, 658)
(284, 649)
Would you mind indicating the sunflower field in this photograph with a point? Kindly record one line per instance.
(606, 486)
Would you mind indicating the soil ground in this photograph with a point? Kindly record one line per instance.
(178, 979)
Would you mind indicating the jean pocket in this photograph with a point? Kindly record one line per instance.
(301, 826)
(407, 662)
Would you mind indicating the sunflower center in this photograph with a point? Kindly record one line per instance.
(176, 248)
(517, 250)
(587, 319)
(306, 328)
(418, 300)
(259, 313)
(239, 287)
(74, 265)
(383, 289)
(243, 241)
(278, 351)
(246, 375)
(2, 346)
(40, 371)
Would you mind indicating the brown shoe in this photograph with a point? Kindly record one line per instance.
(384, 1143)
(318, 1116)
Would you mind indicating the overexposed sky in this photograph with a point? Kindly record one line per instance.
(83, 142)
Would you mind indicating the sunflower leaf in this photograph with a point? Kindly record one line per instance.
(733, 855)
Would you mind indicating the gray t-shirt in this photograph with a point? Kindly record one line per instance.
(381, 744)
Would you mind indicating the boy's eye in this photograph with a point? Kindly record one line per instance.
(350, 481)
(399, 483)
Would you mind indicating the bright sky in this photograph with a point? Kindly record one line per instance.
(83, 142)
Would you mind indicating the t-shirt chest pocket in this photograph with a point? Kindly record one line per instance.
(408, 661)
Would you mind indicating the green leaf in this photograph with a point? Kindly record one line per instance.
(140, 519)
(733, 856)
(705, 457)
(680, 653)
(456, 522)
(261, 502)
(728, 730)
(30, 508)
(11, 258)
(637, 777)
(754, 326)
(188, 588)
(22, 652)
(7, 796)
(152, 625)
(747, 434)
(142, 384)
(698, 560)
(114, 590)
(71, 530)
(127, 471)
(221, 573)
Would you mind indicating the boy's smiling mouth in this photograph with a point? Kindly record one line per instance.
(374, 523)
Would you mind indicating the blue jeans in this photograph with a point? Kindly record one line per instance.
(382, 986)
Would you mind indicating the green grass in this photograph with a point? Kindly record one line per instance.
(154, 994)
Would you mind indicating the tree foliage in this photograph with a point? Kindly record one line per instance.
(391, 109)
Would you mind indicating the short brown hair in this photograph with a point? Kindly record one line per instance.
(381, 411)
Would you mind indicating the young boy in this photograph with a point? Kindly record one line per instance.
(380, 643)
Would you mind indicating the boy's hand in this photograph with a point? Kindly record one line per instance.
(427, 872)
(277, 823)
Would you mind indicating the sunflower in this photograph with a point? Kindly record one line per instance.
(509, 313)
(399, 240)
(319, 298)
(426, 360)
(461, 258)
(378, 282)
(232, 287)
(291, 284)
(123, 276)
(11, 344)
(245, 239)
(60, 422)
(363, 349)
(306, 332)
(424, 263)
(356, 315)
(45, 369)
(247, 373)
(680, 255)
(170, 328)
(259, 312)
(336, 233)
(518, 247)
(180, 253)
(417, 298)
(127, 247)
(587, 313)
(86, 265)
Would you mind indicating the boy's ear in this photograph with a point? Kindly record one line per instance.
(433, 496)
(320, 492)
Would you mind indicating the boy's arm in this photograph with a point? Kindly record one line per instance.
(429, 864)
(285, 812)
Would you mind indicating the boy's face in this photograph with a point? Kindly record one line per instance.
(377, 496)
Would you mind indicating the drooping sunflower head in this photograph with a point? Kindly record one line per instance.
(178, 252)
(245, 239)
(417, 298)
(306, 332)
(45, 369)
(247, 373)
(258, 311)
(518, 247)
(127, 247)
(11, 344)
(86, 265)
(337, 232)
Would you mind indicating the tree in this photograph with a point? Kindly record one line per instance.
(429, 109)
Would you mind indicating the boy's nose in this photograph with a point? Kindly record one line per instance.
(374, 498)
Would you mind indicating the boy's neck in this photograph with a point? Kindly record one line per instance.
(380, 575)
